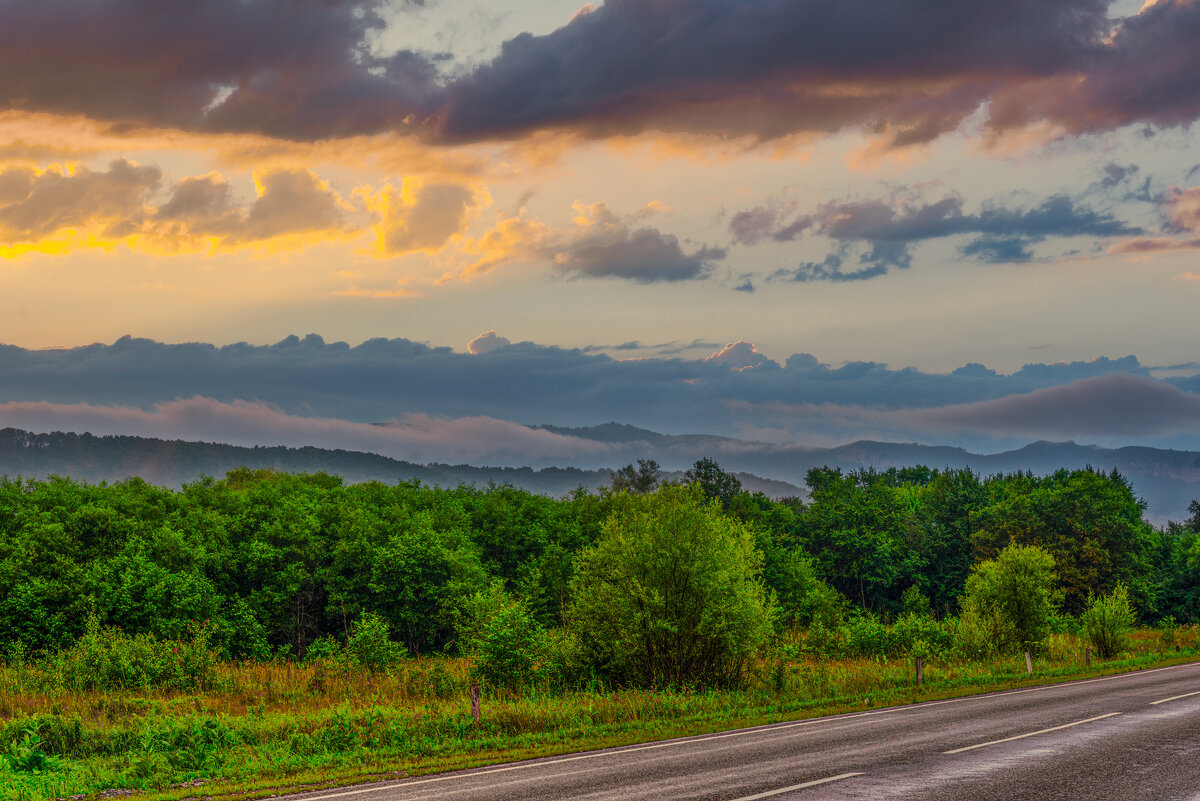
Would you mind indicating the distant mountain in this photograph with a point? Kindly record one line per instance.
(1168, 480)
(176, 462)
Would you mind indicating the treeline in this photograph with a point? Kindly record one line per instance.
(268, 564)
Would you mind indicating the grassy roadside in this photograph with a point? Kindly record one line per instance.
(261, 728)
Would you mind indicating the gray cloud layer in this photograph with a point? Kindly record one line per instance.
(739, 392)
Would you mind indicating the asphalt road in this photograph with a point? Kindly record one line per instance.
(1133, 737)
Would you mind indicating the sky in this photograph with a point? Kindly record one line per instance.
(789, 220)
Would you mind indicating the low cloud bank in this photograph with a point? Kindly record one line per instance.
(416, 438)
(736, 391)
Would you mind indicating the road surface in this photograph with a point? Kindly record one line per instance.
(1132, 737)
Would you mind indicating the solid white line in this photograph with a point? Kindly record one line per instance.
(1174, 698)
(783, 790)
(1030, 734)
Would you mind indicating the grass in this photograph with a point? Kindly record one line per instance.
(255, 729)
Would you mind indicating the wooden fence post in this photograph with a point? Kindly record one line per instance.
(1028, 663)
(920, 673)
(475, 702)
(1087, 657)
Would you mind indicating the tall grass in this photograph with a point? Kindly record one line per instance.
(267, 724)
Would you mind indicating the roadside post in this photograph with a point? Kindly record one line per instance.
(1028, 663)
(475, 702)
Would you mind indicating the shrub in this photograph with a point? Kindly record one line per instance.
(670, 595)
(507, 643)
(370, 644)
(107, 659)
(1107, 621)
(1008, 601)
(915, 603)
(322, 648)
(867, 636)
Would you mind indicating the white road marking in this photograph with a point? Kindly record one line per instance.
(395, 786)
(783, 790)
(1030, 734)
(1174, 698)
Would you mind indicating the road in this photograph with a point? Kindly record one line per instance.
(1133, 736)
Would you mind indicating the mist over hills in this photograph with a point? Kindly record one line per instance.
(176, 462)
(1167, 479)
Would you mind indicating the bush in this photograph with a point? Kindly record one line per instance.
(1107, 621)
(670, 595)
(1008, 601)
(108, 659)
(507, 643)
(867, 636)
(370, 644)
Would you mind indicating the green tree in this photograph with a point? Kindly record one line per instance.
(715, 482)
(641, 479)
(1107, 621)
(670, 594)
(1090, 522)
(1011, 598)
(504, 639)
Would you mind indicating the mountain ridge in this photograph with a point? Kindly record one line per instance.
(1167, 479)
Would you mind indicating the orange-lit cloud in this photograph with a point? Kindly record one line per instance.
(1182, 210)
(598, 243)
(64, 208)
(421, 216)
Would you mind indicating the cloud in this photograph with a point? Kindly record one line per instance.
(421, 216)
(82, 207)
(1145, 72)
(603, 245)
(875, 236)
(1118, 404)
(36, 205)
(416, 438)
(905, 72)
(486, 342)
(770, 69)
(381, 379)
(598, 243)
(286, 68)
(740, 355)
(1181, 212)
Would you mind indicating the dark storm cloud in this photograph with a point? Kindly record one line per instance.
(875, 236)
(772, 67)
(289, 68)
(1147, 74)
(907, 70)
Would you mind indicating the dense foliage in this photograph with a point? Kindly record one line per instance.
(270, 564)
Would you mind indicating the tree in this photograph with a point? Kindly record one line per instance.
(670, 594)
(1089, 521)
(1011, 598)
(716, 483)
(641, 479)
(1107, 622)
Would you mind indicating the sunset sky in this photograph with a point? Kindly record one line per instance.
(892, 213)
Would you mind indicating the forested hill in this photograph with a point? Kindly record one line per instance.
(172, 463)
